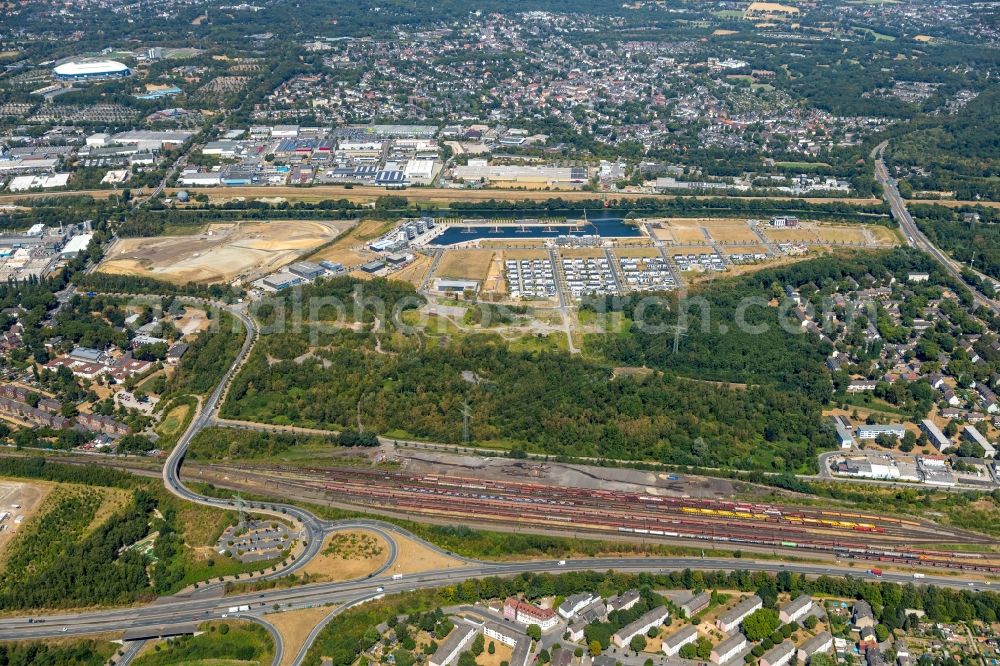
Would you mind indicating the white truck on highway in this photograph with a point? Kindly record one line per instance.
(238, 609)
(397, 576)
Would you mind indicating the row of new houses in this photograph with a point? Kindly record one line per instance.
(464, 633)
(935, 436)
(52, 419)
(586, 608)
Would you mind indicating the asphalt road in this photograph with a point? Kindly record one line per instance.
(196, 608)
(313, 528)
(187, 610)
(915, 237)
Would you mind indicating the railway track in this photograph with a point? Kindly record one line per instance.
(844, 534)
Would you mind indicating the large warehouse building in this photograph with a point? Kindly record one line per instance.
(90, 70)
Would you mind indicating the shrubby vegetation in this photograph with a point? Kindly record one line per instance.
(208, 358)
(133, 284)
(84, 567)
(965, 241)
(58, 563)
(79, 653)
(546, 402)
(221, 642)
(768, 417)
(235, 444)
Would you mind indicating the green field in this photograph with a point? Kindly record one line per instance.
(80, 542)
(57, 653)
(221, 644)
(801, 166)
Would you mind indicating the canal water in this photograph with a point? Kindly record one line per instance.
(607, 224)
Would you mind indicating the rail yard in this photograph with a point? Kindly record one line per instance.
(833, 532)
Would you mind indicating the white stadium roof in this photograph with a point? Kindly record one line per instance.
(90, 68)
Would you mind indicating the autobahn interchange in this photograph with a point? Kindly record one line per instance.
(200, 607)
(207, 604)
(197, 610)
(915, 237)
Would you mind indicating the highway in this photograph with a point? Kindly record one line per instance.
(193, 610)
(915, 237)
(198, 607)
(313, 528)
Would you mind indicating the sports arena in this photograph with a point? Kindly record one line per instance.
(90, 70)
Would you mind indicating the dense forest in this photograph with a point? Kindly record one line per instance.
(955, 151)
(208, 358)
(37, 653)
(234, 444)
(131, 284)
(726, 398)
(58, 562)
(82, 552)
(975, 242)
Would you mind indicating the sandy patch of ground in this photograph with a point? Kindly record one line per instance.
(796, 235)
(637, 252)
(690, 249)
(194, 320)
(525, 254)
(294, 626)
(350, 250)
(465, 264)
(581, 252)
(745, 269)
(884, 235)
(222, 254)
(28, 496)
(496, 283)
(502, 653)
(415, 272)
(663, 234)
(841, 234)
(338, 560)
(730, 231)
(686, 233)
(744, 249)
(414, 557)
